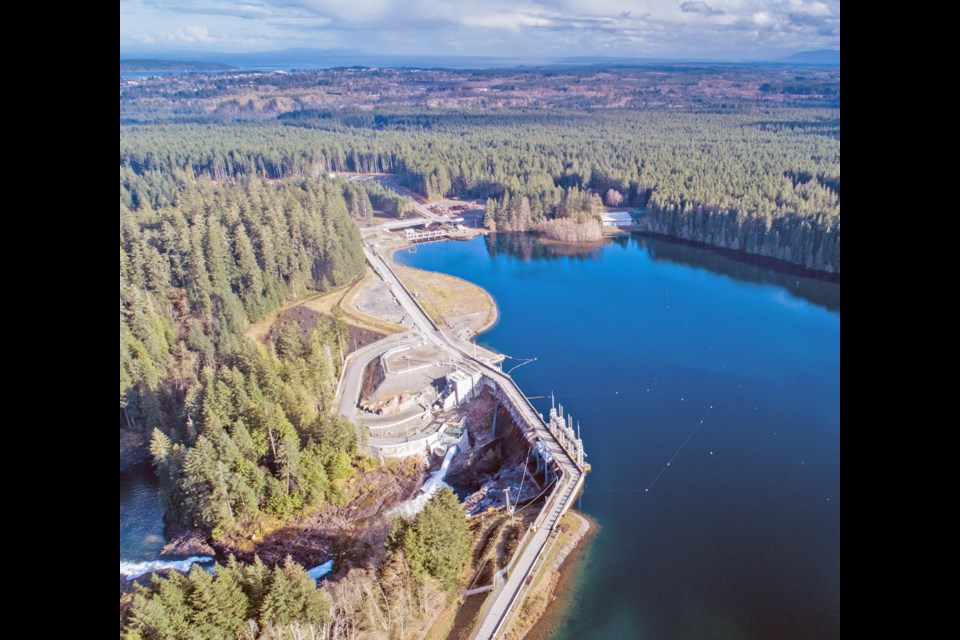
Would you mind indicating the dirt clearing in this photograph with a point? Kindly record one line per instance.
(452, 303)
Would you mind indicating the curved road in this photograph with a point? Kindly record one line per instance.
(348, 393)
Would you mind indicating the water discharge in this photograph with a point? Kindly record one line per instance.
(133, 570)
(320, 570)
(434, 483)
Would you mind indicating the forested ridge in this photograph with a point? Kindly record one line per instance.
(766, 182)
(236, 428)
(239, 429)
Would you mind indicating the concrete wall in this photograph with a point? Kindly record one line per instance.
(464, 385)
(520, 440)
(412, 447)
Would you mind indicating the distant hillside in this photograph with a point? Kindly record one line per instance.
(172, 65)
(820, 56)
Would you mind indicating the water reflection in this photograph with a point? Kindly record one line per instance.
(527, 247)
(740, 536)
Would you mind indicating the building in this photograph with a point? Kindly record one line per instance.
(617, 219)
(460, 387)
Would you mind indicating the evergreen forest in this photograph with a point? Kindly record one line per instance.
(224, 221)
(764, 181)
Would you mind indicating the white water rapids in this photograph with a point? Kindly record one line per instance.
(131, 570)
(434, 483)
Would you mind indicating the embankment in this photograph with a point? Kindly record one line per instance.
(547, 605)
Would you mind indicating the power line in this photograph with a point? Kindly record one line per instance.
(665, 467)
(680, 448)
(526, 361)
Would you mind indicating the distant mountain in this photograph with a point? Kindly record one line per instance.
(173, 65)
(829, 57)
(325, 58)
(187, 60)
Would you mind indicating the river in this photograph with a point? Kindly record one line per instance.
(708, 391)
(141, 514)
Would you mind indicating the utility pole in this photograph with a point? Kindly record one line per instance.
(507, 493)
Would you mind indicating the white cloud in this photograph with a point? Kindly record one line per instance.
(677, 28)
(190, 33)
(513, 21)
(698, 6)
(138, 37)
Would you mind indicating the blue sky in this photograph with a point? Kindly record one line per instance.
(703, 29)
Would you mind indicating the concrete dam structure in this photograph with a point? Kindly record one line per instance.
(554, 443)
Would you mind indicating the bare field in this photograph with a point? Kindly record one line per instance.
(452, 303)
(380, 321)
(369, 303)
(322, 302)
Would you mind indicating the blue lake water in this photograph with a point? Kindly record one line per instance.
(739, 535)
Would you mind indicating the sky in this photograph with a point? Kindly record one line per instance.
(682, 29)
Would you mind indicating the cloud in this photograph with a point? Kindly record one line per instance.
(673, 28)
(698, 6)
(762, 17)
(137, 37)
(513, 21)
(191, 33)
(252, 10)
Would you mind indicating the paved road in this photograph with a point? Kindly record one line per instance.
(423, 324)
(356, 364)
(425, 213)
(560, 500)
(566, 488)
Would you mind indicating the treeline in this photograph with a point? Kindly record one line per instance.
(367, 196)
(395, 599)
(238, 601)
(236, 428)
(710, 177)
(810, 240)
(572, 206)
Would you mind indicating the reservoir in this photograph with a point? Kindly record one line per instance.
(708, 393)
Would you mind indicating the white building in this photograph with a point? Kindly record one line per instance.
(461, 386)
(617, 219)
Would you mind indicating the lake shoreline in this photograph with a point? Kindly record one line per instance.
(557, 586)
(560, 579)
(549, 603)
(755, 259)
(471, 295)
(692, 301)
(553, 588)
